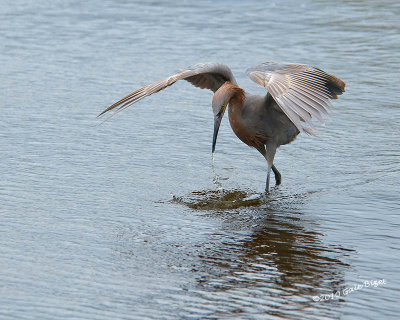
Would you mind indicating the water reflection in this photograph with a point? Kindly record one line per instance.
(268, 256)
(220, 200)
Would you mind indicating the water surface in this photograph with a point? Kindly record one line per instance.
(131, 218)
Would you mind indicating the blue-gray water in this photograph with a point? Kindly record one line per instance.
(129, 219)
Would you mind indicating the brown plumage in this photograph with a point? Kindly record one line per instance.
(296, 94)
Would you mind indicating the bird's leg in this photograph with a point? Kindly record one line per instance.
(278, 177)
(269, 156)
(267, 183)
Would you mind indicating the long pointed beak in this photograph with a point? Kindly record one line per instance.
(217, 123)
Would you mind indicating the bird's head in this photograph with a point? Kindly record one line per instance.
(221, 99)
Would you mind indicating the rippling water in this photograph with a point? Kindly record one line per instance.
(131, 218)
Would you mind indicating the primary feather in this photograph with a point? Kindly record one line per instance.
(204, 75)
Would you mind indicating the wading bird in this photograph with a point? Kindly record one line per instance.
(296, 93)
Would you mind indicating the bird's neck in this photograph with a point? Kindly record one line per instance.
(235, 95)
(235, 106)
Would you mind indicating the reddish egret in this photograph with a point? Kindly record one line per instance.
(295, 94)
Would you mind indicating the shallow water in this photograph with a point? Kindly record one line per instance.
(132, 219)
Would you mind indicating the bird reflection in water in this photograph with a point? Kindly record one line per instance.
(266, 253)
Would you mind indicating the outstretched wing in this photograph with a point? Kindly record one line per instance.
(204, 75)
(299, 90)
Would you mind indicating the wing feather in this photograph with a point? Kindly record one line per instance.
(204, 75)
(300, 91)
(314, 101)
